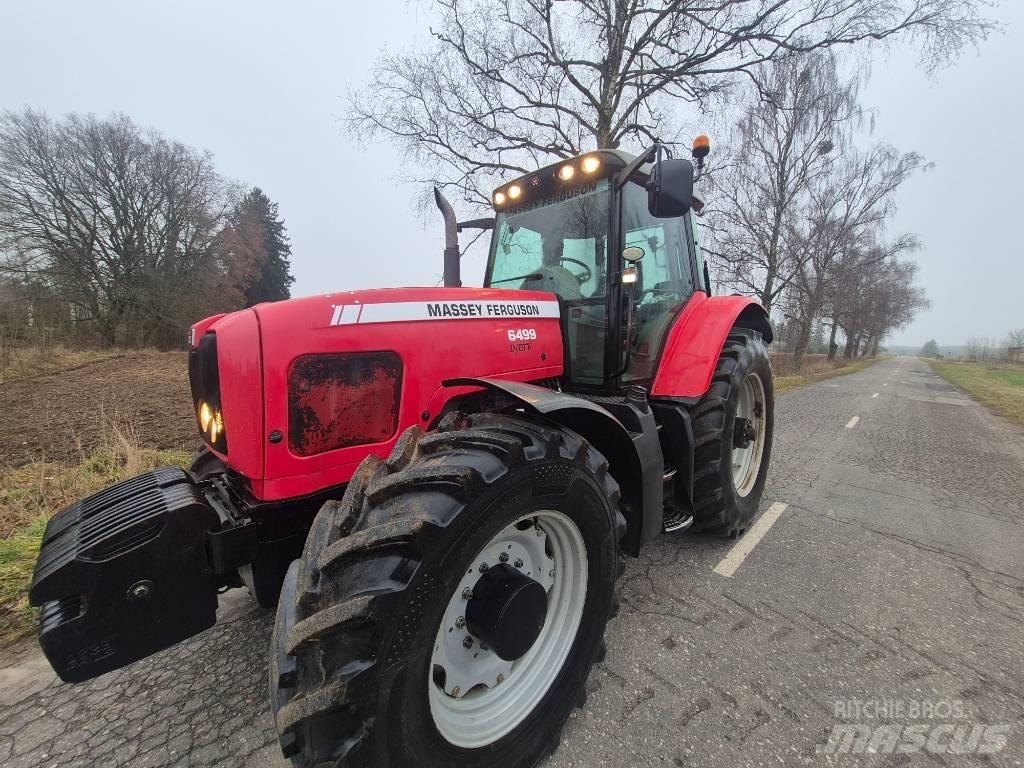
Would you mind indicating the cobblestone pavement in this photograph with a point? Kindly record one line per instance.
(896, 573)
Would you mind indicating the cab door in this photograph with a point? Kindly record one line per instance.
(666, 279)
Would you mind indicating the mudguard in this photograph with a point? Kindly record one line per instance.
(695, 341)
(634, 454)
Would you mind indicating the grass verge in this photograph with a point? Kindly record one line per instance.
(29, 495)
(1000, 386)
(782, 383)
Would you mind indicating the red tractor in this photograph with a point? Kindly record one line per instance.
(436, 486)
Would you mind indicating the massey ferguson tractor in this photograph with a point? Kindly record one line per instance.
(436, 486)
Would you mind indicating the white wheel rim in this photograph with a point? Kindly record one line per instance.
(482, 710)
(746, 462)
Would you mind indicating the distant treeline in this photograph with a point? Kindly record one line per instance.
(117, 235)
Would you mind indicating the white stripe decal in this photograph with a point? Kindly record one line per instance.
(416, 311)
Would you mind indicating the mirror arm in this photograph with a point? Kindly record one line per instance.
(644, 157)
(487, 223)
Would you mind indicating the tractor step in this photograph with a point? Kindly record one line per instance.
(676, 520)
(673, 518)
(125, 573)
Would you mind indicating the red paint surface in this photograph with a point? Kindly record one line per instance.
(431, 351)
(694, 344)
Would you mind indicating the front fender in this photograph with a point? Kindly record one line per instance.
(696, 338)
(635, 463)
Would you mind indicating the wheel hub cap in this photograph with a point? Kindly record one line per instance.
(507, 611)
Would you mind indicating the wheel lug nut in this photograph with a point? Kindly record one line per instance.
(503, 557)
(467, 642)
(551, 573)
(501, 679)
(518, 563)
(467, 593)
(460, 622)
(484, 567)
(456, 691)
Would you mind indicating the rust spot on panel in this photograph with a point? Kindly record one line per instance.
(341, 400)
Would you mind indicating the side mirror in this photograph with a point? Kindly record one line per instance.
(670, 190)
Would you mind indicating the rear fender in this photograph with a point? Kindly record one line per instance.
(696, 338)
(628, 461)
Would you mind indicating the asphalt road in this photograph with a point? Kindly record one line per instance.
(888, 594)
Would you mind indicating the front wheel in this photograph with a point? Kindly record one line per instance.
(732, 429)
(448, 610)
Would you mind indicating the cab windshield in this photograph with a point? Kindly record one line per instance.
(554, 245)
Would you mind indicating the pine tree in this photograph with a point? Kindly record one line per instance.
(257, 223)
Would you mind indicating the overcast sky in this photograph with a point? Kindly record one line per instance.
(262, 86)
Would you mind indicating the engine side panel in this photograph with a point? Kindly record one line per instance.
(436, 333)
(695, 341)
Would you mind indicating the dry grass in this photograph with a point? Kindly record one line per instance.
(819, 373)
(29, 495)
(18, 362)
(1000, 386)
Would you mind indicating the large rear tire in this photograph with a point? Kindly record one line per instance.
(732, 430)
(373, 662)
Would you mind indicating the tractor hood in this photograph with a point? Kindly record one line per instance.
(302, 390)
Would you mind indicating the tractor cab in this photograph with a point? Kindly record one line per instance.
(591, 231)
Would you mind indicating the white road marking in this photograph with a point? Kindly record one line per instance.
(884, 384)
(830, 385)
(852, 422)
(734, 559)
(875, 395)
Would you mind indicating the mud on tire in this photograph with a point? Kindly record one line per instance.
(360, 611)
(718, 508)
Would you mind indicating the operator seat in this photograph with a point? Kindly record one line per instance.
(556, 279)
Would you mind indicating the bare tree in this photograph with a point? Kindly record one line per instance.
(875, 300)
(1015, 338)
(847, 210)
(114, 221)
(797, 120)
(505, 85)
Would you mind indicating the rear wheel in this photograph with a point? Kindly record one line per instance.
(732, 429)
(448, 609)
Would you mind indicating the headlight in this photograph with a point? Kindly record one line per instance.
(205, 416)
(590, 164)
(204, 378)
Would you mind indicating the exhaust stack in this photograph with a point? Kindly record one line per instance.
(452, 276)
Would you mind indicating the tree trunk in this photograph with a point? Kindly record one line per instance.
(832, 346)
(802, 340)
(848, 349)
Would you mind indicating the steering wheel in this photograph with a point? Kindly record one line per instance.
(581, 278)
